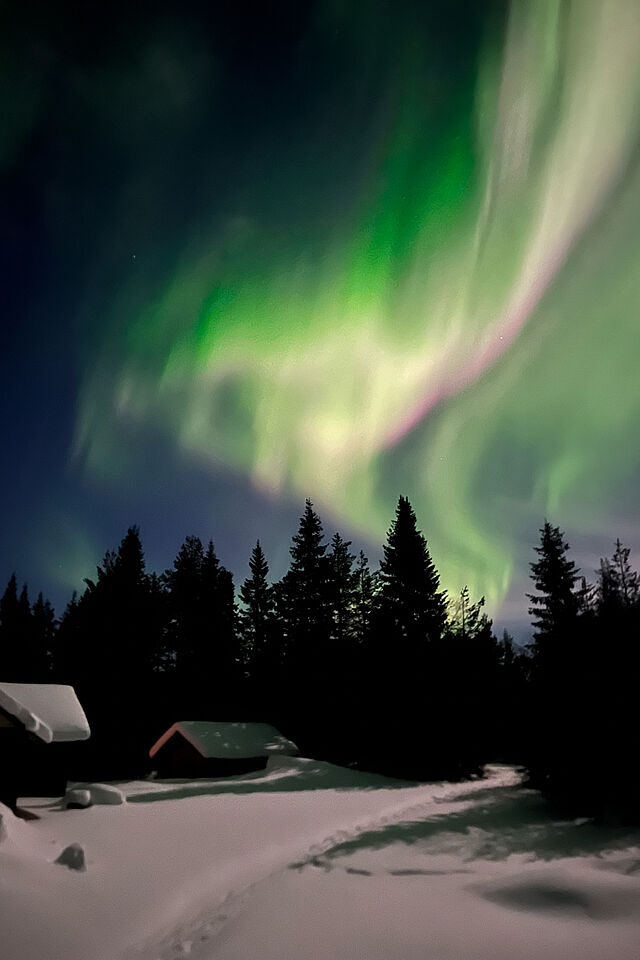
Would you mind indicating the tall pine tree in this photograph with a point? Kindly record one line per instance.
(257, 618)
(410, 601)
(409, 619)
(202, 626)
(555, 605)
(303, 614)
(17, 660)
(557, 697)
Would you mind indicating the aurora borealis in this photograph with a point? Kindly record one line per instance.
(343, 251)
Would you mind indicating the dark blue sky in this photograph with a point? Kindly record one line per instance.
(131, 134)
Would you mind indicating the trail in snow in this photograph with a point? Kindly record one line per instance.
(197, 938)
(307, 860)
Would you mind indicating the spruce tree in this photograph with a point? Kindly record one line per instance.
(342, 583)
(108, 649)
(161, 653)
(624, 581)
(221, 658)
(409, 599)
(408, 624)
(364, 596)
(105, 635)
(302, 594)
(16, 661)
(558, 667)
(468, 617)
(44, 636)
(257, 619)
(202, 626)
(303, 616)
(555, 606)
(186, 627)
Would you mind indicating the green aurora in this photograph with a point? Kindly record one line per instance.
(426, 282)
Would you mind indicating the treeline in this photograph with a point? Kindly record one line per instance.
(376, 669)
(581, 682)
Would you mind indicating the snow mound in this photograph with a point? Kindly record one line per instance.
(320, 774)
(77, 798)
(88, 794)
(73, 857)
(51, 711)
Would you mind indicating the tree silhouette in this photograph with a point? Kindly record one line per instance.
(303, 614)
(618, 583)
(409, 599)
(409, 619)
(301, 595)
(16, 635)
(187, 622)
(43, 631)
(469, 662)
(555, 606)
(222, 657)
(363, 600)
(257, 618)
(342, 583)
(561, 670)
(109, 643)
(202, 623)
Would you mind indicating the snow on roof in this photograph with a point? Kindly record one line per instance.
(51, 711)
(226, 740)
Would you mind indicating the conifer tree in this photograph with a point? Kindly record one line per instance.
(202, 626)
(257, 619)
(222, 653)
(409, 599)
(468, 618)
(302, 593)
(15, 634)
(408, 623)
(623, 582)
(557, 675)
(342, 582)
(364, 597)
(303, 616)
(9, 603)
(555, 605)
(555, 608)
(186, 627)
(105, 635)
(161, 654)
(44, 636)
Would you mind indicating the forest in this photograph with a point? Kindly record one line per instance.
(376, 670)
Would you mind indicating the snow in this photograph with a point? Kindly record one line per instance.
(224, 740)
(49, 710)
(86, 794)
(305, 859)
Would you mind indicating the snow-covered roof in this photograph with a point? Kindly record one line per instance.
(226, 740)
(51, 711)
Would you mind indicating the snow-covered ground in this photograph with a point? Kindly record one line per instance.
(305, 861)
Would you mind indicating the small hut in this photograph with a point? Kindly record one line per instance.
(197, 748)
(33, 716)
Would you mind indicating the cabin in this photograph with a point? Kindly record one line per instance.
(34, 717)
(197, 748)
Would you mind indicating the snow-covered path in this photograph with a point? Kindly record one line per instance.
(308, 861)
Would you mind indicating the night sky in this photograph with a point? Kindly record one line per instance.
(254, 252)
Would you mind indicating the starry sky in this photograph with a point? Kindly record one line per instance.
(257, 252)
